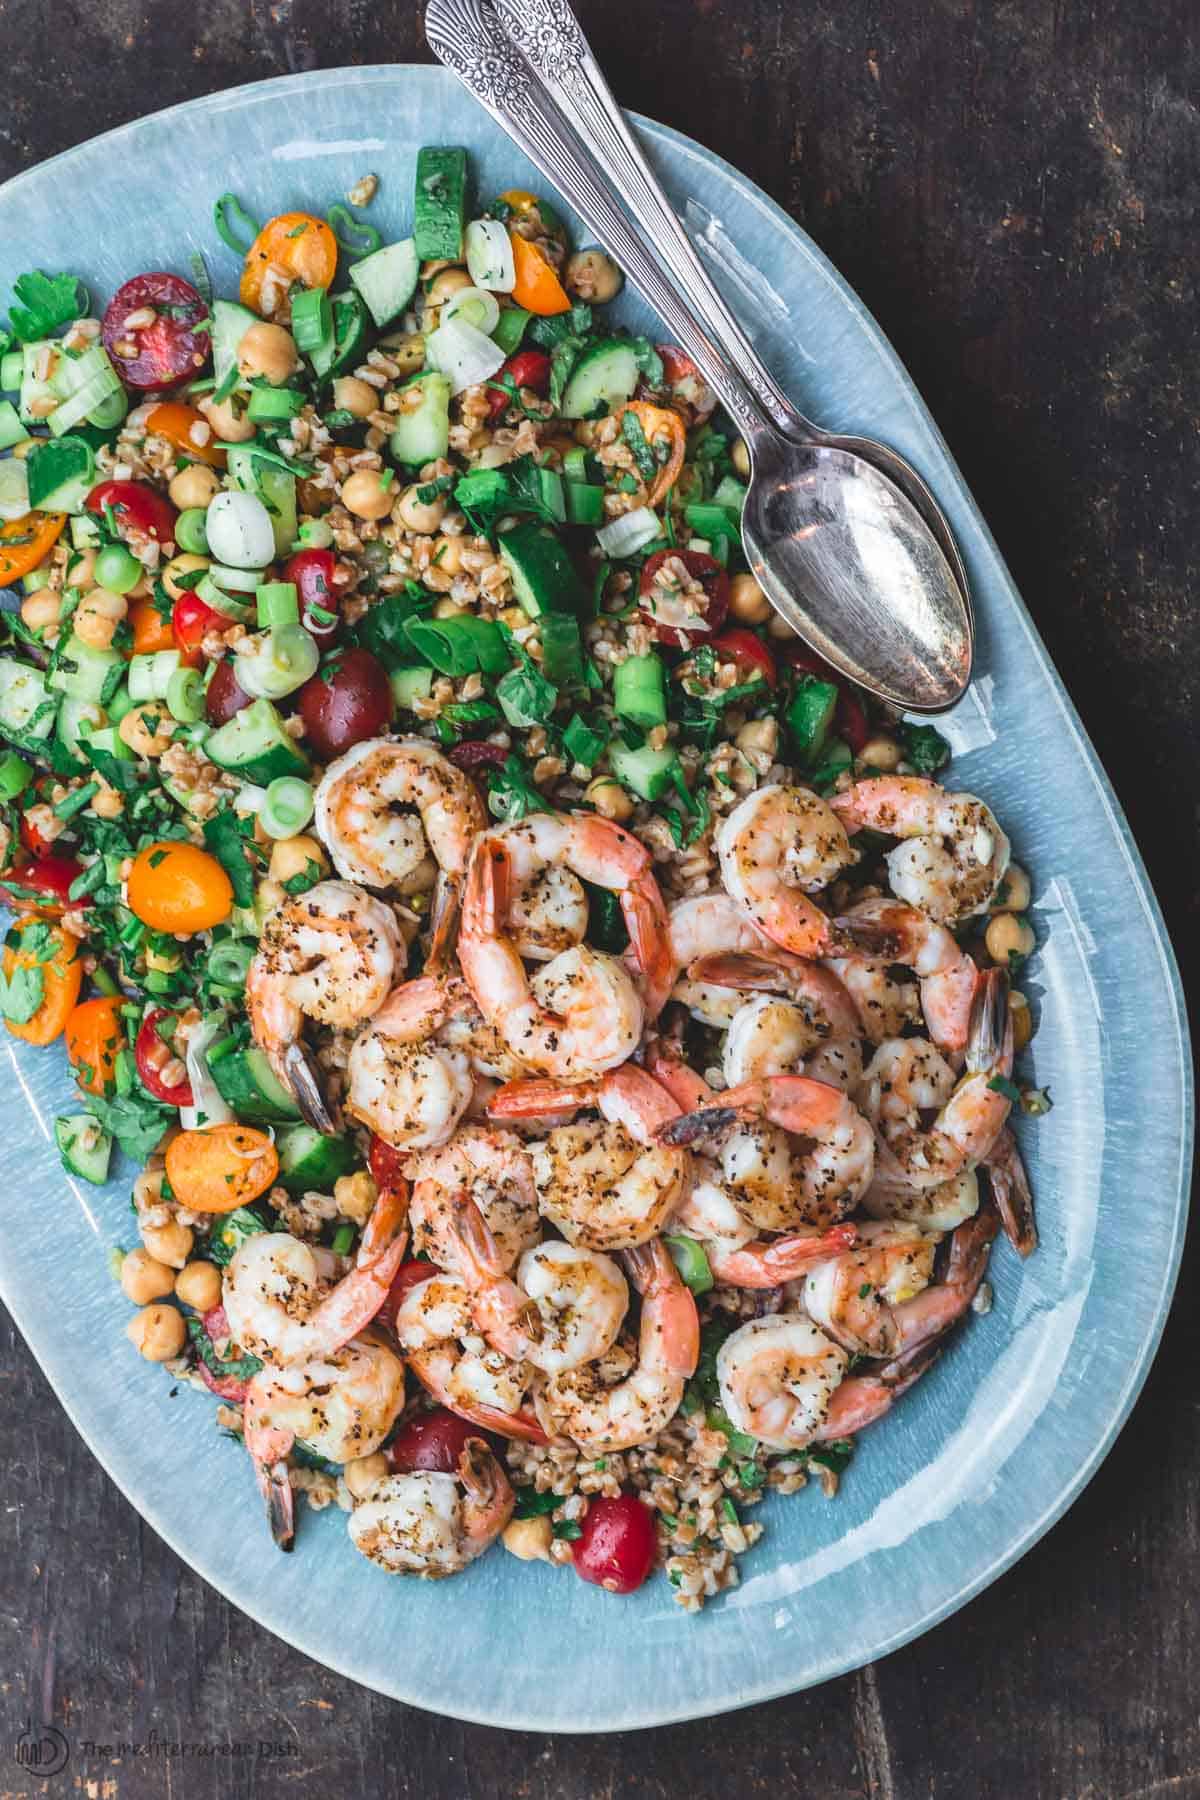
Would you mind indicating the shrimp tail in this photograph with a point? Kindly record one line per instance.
(1011, 1193)
(932, 1313)
(522, 1424)
(664, 1060)
(490, 1496)
(649, 931)
(443, 923)
(736, 969)
(705, 1125)
(860, 1400)
(300, 1075)
(871, 937)
(762, 1266)
(540, 1098)
(989, 1037)
(276, 1490)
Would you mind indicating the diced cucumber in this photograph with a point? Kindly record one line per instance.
(645, 772)
(77, 719)
(255, 745)
(11, 429)
(810, 715)
(387, 279)
(275, 487)
(27, 707)
(14, 490)
(85, 532)
(230, 323)
(439, 202)
(510, 328)
(349, 336)
(639, 691)
(585, 503)
(61, 475)
(562, 649)
(247, 1082)
(84, 1147)
(411, 684)
(731, 494)
(543, 576)
(605, 376)
(422, 433)
(11, 365)
(84, 673)
(309, 1161)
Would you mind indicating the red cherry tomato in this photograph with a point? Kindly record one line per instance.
(529, 369)
(712, 578)
(138, 510)
(191, 621)
(31, 837)
(616, 1549)
(166, 351)
(312, 572)
(431, 1440)
(228, 1387)
(685, 381)
(850, 721)
(225, 696)
(749, 653)
(348, 700)
(148, 1055)
(408, 1275)
(49, 877)
(478, 756)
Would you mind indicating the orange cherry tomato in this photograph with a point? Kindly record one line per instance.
(61, 973)
(178, 887)
(95, 1033)
(660, 424)
(220, 1168)
(24, 542)
(301, 246)
(538, 288)
(174, 421)
(151, 632)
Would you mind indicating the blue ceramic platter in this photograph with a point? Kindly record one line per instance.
(999, 1438)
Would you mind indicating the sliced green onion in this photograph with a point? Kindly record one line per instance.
(190, 534)
(341, 221)
(343, 1238)
(229, 963)
(278, 603)
(315, 534)
(689, 1258)
(312, 320)
(100, 974)
(287, 807)
(233, 580)
(157, 981)
(88, 882)
(227, 211)
(269, 406)
(66, 809)
(283, 659)
(15, 775)
(236, 611)
(185, 696)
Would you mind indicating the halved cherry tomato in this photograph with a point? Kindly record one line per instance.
(25, 541)
(167, 351)
(191, 622)
(31, 837)
(42, 885)
(408, 1275)
(61, 973)
(138, 510)
(220, 1168)
(348, 700)
(617, 1544)
(178, 887)
(312, 573)
(475, 756)
(850, 721)
(529, 369)
(749, 653)
(151, 1053)
(151, 632)
(175, 421)
(300, 245)
(95, 1033)
(660, 425)
(225, 695)
(712, 578)
(431, 1440)
(537, 287)
(685, 381)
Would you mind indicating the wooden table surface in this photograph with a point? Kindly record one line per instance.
(1012, 186)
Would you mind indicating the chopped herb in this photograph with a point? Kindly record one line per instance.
(307, 877)
(635, 437)
(532, 1505)
(21, 993)
(46, 302)
(834, 1455)
(1000, 1084)
(730, 1510)
(229, 838)
(567, 1528)
(136, 1121)
(924, 747)
(649, 362)
(233, 1368)
(511, 794)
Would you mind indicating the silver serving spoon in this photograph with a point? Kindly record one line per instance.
(840, 551)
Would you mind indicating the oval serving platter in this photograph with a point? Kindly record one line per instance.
(994, 1444)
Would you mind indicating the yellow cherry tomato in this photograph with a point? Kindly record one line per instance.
(179, 888)
(221, 1168)
(50, 954)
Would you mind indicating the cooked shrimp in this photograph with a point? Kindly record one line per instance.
(472, 1386)
(282, 1308)
(607, 1184)
(778, 846)
(777, 1376)
(938, 1208)
(388, 804)
(548, 904)
(411, 1089)
(601, 1418)
(443, 1007)
(952, 854)
(948, 977)
(854, 1296)
(713, 925)
(341, 1405)
(430, 1524)
(886, 1005)
(929, 1314)
(783, 1259)
(582, 1013)
(493, 1169)
(1011, 1193)
(814, 1031)
(330, 955)
(862, 1399)
(564, 1309)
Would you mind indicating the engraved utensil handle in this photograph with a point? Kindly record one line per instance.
(552, 40)
(467, 36)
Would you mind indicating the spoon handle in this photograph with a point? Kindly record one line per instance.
(552, 41)
(467, 36)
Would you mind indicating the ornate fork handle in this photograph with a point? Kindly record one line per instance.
(467, 36)
(552, 40)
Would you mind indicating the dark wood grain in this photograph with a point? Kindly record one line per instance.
(1012, 187)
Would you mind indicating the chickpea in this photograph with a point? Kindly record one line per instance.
(609, 798)
(158, 1332)
(419, 515)
(447, 282)
(193, 486)
(292, 855)
(759, 734)
(170, 1243)
(39, 611)
(143, 739)
(187, 564)
(355, 396)
(198, 1285)
(107, 803)
(739, 456)
(592, 275)
(447, 555)
(267, 896)
(529, 1539)
(228, 424)
(365, 494)
(97, 616)
(881, 752)
(1007, 936)
(267, 350)
(1013, 894)
(81, 571)
(747, 601)
(362, 1472)
(1022, 1019)
(406, 348)
(355, 1196)
(778, 627)
(143, 1278)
